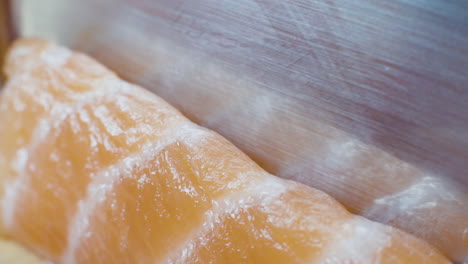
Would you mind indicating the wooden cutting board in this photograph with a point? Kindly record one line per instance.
(12, 253)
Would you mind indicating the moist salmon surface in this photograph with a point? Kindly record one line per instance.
(96, 170)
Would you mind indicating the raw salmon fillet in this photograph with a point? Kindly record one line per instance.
(96, 170)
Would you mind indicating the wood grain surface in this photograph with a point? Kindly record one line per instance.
(7, 32)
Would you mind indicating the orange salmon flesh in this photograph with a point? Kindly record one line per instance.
(97, 170)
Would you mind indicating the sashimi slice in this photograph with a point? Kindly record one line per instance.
(62, 164)
(48, 78)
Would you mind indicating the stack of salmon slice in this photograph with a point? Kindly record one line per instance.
(96, 170)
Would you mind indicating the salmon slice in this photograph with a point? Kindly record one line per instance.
(48, 79)
(166, 200)
(67, 162)
(96, 170)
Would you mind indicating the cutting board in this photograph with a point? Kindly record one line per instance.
(12, 253)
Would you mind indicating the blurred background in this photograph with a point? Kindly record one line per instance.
(365, 100)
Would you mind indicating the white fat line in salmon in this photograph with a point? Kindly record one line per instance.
(267, 190)
(358, 241)
(58, 114)
(54, 56)
(103, 182)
